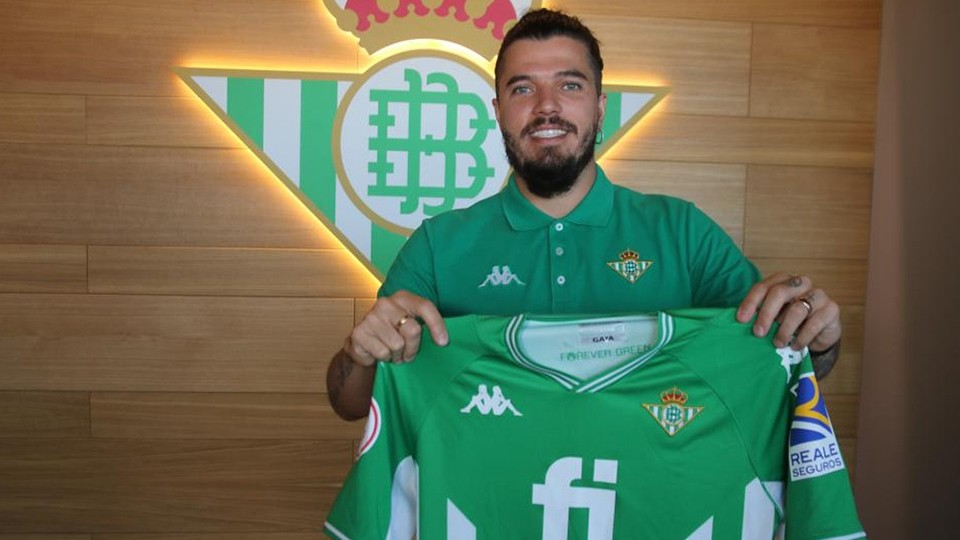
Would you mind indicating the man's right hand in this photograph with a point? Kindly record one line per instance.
(389, 332)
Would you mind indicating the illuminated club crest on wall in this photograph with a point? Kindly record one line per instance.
(373, 154)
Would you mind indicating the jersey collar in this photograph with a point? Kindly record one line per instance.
(597, 382)
(594, 210)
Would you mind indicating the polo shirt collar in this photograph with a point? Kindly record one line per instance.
(594, 210)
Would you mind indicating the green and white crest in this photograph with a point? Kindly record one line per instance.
(417, 137)
(374, 154)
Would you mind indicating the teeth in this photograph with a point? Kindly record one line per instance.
(547, 133)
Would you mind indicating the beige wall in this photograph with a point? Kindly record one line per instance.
(167, 309)
(908, 471)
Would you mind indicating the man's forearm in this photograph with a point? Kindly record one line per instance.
(824, 361)
(349, 386)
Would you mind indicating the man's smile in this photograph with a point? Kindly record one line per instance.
(549, 128)
(548, 133)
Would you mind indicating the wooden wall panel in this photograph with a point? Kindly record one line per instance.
(814, 72)
(149, 196)
(228, 272)
(134, 415)
(168, 309)
(843, 414)
(31, 118)
(156, 121)
(845, 377)
(157, 485)
(827, 210)
(43, 268)
(845, 280)
(152, 343)
(725, 139)
(360, 308)
(45, 537)
(717, 189)
(853, 13)
(848, 449)
(44, 414)
(705, 64)
(129, 47)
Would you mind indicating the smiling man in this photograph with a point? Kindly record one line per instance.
(560, 238)
(549, 109)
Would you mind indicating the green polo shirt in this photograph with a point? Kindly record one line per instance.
(617, 251)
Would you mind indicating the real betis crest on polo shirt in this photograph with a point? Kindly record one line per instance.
(630, 266)
(372, 154)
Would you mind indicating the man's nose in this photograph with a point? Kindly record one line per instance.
(547, 102)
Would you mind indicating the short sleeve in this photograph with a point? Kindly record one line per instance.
(413, 269)
(820, 502)
(721, 275)
(379, 496)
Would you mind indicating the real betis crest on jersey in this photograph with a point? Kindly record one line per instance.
(671, 413)
(372, 154)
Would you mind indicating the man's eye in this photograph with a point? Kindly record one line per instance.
(572, 86)
(521, 90)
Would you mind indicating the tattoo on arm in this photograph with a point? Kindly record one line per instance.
(824, 361)
(344, 367)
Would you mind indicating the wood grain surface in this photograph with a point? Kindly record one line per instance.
(168, 309)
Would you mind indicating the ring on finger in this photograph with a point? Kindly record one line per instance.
(806, 303)
(403, 320)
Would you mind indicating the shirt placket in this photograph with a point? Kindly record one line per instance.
(560, 265)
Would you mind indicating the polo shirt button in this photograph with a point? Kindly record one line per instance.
(558, 227)
(559, 251)
(561, 280)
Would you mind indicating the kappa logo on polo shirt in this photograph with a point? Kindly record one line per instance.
(501, 276)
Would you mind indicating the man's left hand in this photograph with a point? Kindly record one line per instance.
(807, 316)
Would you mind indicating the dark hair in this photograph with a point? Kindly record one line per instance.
(541, 24)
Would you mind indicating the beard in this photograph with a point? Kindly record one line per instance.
(555, 172)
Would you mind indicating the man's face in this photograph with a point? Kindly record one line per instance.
(549, 112)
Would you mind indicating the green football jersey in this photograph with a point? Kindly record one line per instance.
(665, 426)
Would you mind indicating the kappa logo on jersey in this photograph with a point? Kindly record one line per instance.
(490, 403)
(372, 430)
(558, 497)
(630, 266)
(500, 276)
(671, 413)
(790, 358)
(813, 445)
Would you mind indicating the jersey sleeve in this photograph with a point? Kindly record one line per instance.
(379, 496)
(820, 502)
(413, 269)
(721, 275)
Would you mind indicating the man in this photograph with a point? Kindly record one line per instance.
(560, 238)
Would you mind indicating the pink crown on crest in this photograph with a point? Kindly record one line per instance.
(673, 395)
(477, 24)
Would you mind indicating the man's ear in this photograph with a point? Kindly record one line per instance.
(496, 109)
(602, 106)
